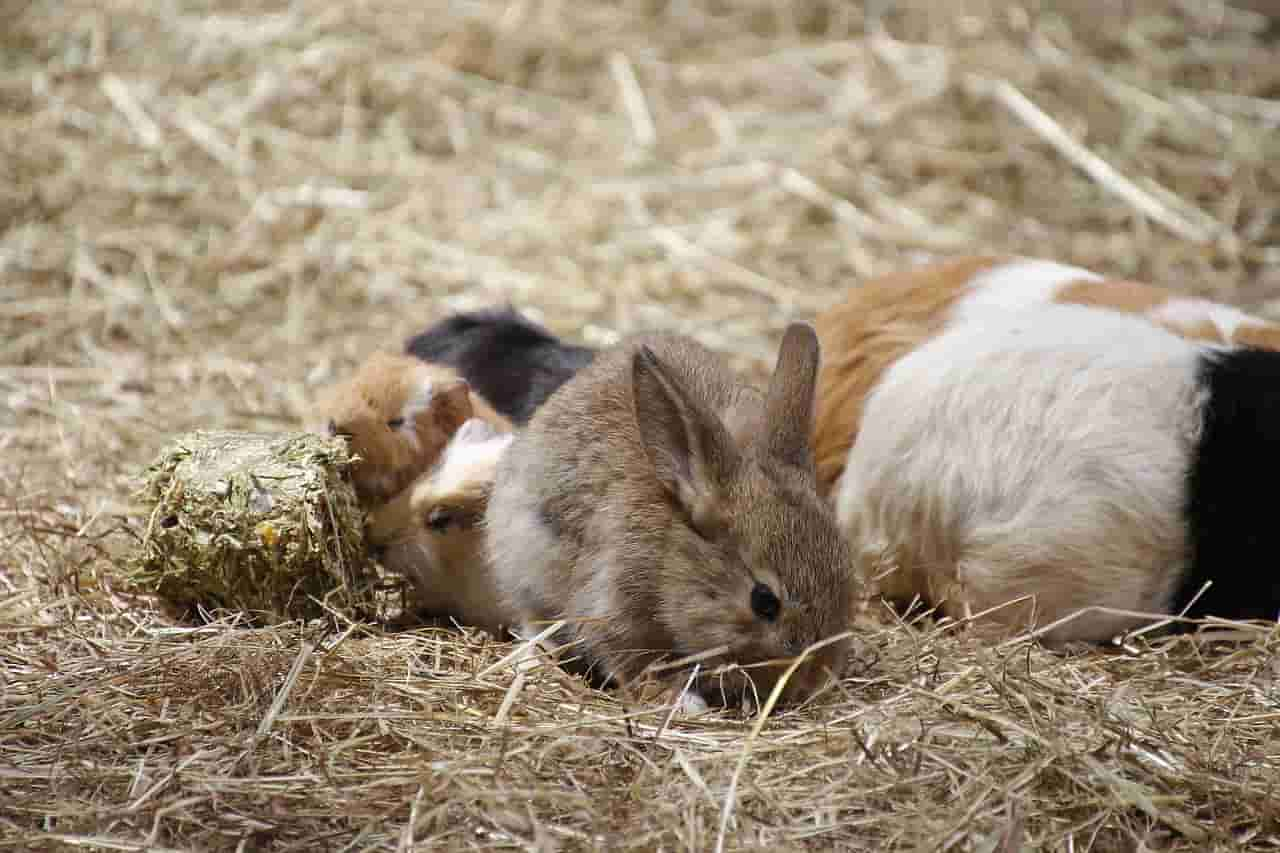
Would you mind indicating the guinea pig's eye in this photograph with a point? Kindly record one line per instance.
(395, 423)
(764, 602)
(439, 519)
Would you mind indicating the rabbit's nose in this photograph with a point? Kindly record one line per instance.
(796, 645)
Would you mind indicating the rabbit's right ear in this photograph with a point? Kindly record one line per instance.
(690, 449)
(789, 403)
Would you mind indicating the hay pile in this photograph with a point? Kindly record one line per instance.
(207, 211)
(263, 523)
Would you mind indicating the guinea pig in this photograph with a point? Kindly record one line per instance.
(512, 362)
(397, 414)
(432, 532)
(664, 509)
(884, 319)
(1092, 462)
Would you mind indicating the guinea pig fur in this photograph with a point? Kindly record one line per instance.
(509, 360)
(432, 533)
(397, 414)
(883, 319)
(664, 509)
(1090, 460)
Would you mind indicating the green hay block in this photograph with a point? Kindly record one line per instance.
(265, 523)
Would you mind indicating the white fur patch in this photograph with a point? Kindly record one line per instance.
(691, 704)
(1187, 313)
(1016, 285)
(471, 455)
(523, 553)
(419, 401)
(474, 430)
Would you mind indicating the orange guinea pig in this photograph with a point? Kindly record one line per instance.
(397, 413)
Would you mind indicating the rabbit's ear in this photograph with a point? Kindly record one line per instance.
(744, 416)
(691, 451)
(789, 403)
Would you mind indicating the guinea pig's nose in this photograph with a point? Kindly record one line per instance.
(378, 551)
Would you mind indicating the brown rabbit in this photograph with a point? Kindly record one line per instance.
(665, 510)
(397, 413)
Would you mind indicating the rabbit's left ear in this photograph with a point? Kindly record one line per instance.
(692, 452)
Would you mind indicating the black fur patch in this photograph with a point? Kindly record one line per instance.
(508, 359)
(1231, 510)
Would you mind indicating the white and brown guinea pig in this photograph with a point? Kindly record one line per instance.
(1032, 442)
(397, 414)
(432, 532)
(665, 509)
(883, 319)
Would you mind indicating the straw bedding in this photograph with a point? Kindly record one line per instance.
(209, 209)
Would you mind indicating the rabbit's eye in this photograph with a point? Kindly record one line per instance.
(439, 519)
(764, 602)
(395, 423)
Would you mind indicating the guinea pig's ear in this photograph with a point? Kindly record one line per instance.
(691, 451)
(331, 410)
(789, 403)
(451, 405)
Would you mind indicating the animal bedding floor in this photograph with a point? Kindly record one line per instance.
(209, 209)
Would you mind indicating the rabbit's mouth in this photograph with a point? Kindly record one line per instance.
(731, 685)
(757, 681)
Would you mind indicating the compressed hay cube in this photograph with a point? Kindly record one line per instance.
(266, 523)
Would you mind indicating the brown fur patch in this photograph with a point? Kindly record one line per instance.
(1135, 297)
(879, 322)
(1129, 297)
(1202, 330)
(480, 407)
(1258, 334)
